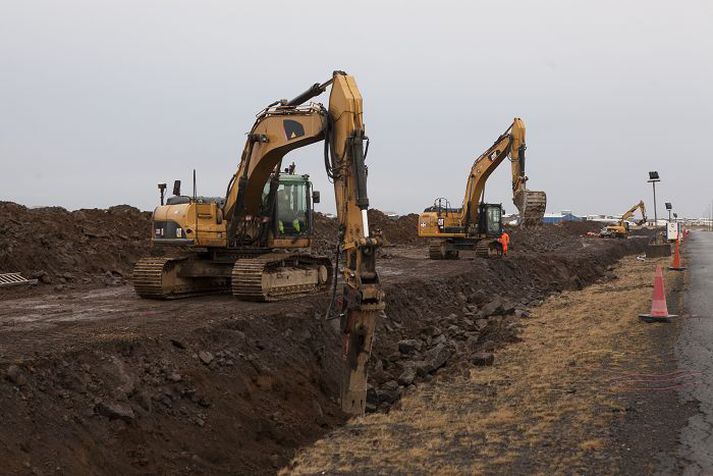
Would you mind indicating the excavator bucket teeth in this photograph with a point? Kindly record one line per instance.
(531, 204)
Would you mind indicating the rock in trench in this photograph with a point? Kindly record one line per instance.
(483, 358)
(407, 346)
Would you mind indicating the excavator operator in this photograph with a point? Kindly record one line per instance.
(289, 220)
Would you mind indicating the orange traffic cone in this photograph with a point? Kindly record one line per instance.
(676, 266)
(659, 310)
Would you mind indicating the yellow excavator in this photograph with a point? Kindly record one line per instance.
(621, 229)
(255, 242)
(478, 225)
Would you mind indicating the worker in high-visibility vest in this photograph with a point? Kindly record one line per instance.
(504, 241)
(296, 226)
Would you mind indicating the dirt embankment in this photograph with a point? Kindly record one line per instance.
(239, 392)
(62, 248)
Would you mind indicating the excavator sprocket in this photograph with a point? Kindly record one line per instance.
(531, 204)
(279, 276)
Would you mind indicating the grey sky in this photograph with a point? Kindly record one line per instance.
(100, 100)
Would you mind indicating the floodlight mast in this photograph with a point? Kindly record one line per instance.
(653, 178)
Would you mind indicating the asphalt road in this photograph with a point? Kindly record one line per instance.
(695, 352)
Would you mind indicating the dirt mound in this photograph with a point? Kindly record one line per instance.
(563, 237)
(326, 234)
(395, 231)
(57, 246)
(402, 230)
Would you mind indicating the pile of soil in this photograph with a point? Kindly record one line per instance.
(550, 238)
(326, 234)
(57, 246)
(400, 230)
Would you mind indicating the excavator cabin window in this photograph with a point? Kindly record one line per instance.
(490, 218)
(292, 209)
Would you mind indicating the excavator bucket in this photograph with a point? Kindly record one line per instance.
(531, 204)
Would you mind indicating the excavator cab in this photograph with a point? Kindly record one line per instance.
(292, 215)
(490, 221)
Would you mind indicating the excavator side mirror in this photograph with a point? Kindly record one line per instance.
(177, 188)
(315, 196)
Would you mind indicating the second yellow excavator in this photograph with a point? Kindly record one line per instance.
(477, 225)
(621, 229)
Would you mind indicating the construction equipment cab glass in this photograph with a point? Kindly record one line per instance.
(491, 219)
(293, 211)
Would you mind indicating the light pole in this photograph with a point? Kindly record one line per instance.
(653, 178)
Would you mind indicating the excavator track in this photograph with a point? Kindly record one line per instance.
(159, 278)
(482, 249)
(280, 276)
(488, 249)
(148, 277)
(434, 250)
(531, 205)
(438, 249)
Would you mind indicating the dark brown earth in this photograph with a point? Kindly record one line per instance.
(99, 381)
(65, 249)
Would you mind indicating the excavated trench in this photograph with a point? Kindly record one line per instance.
(240, 393)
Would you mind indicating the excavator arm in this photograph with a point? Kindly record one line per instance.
(530, 203)
(481, 170)
(630, 212)
(511, 143)
(283, 127)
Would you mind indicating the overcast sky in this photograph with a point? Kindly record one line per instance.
(101, 100)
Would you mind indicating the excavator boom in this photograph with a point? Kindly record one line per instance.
(511, 143)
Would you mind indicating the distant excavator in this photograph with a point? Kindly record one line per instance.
(477, 225)
(254, 242)
(621, 229)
